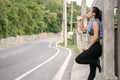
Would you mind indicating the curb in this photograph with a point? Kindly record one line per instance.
(60, 73)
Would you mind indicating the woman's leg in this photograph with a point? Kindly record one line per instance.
(86, 57)
(92, 73)
(89, 56)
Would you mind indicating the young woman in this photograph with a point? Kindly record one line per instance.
(93, 50)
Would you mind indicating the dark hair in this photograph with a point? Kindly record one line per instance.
(97, 12)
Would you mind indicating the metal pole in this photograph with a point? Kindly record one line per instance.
(84, 37)
(65, 8)
(63, 24)
(84, 10)
(71, 16)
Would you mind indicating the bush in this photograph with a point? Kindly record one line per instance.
(26, 17)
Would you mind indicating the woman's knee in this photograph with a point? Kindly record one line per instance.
(81, 57)
(78, 60)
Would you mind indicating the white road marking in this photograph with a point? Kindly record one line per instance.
(61, 71)
(40, 65)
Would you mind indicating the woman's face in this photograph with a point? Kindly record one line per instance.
(90, 14)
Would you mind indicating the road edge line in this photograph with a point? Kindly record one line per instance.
(61, 71)
(40, 65)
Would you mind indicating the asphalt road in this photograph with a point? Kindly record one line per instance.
(35, 60)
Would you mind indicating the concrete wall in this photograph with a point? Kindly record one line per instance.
(10, 41)
(107, 7)
(108, 40)
(118, 48)
(99, 3)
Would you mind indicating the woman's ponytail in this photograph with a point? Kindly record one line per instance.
(98, 13)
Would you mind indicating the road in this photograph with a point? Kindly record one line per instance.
(35, 60)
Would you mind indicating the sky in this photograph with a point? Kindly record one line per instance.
(88, 2)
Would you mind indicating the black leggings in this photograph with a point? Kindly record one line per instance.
(90, 56)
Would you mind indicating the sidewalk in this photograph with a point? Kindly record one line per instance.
(81, 72)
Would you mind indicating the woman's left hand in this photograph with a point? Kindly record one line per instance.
(86, 48)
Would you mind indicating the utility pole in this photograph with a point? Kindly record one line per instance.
(64, 24)
(83, 39)
(65, 8)
(83, 5)
(71, 16)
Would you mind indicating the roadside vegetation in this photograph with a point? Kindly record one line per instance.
(26, 17)
(72, 45)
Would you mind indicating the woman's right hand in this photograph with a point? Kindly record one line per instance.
(82, 17)
(85, 16)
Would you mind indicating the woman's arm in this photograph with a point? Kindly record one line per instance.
(81, 24)
(95, 37)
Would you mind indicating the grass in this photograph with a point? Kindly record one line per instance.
(71, 43)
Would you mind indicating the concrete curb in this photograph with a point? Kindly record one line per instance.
(61, 74)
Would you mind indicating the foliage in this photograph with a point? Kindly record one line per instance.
(116, 15)
(72, 45)
(26, 17)
(76, 12)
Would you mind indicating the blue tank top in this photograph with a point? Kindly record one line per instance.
(90, 30)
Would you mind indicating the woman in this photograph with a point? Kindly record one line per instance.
(93, 50)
